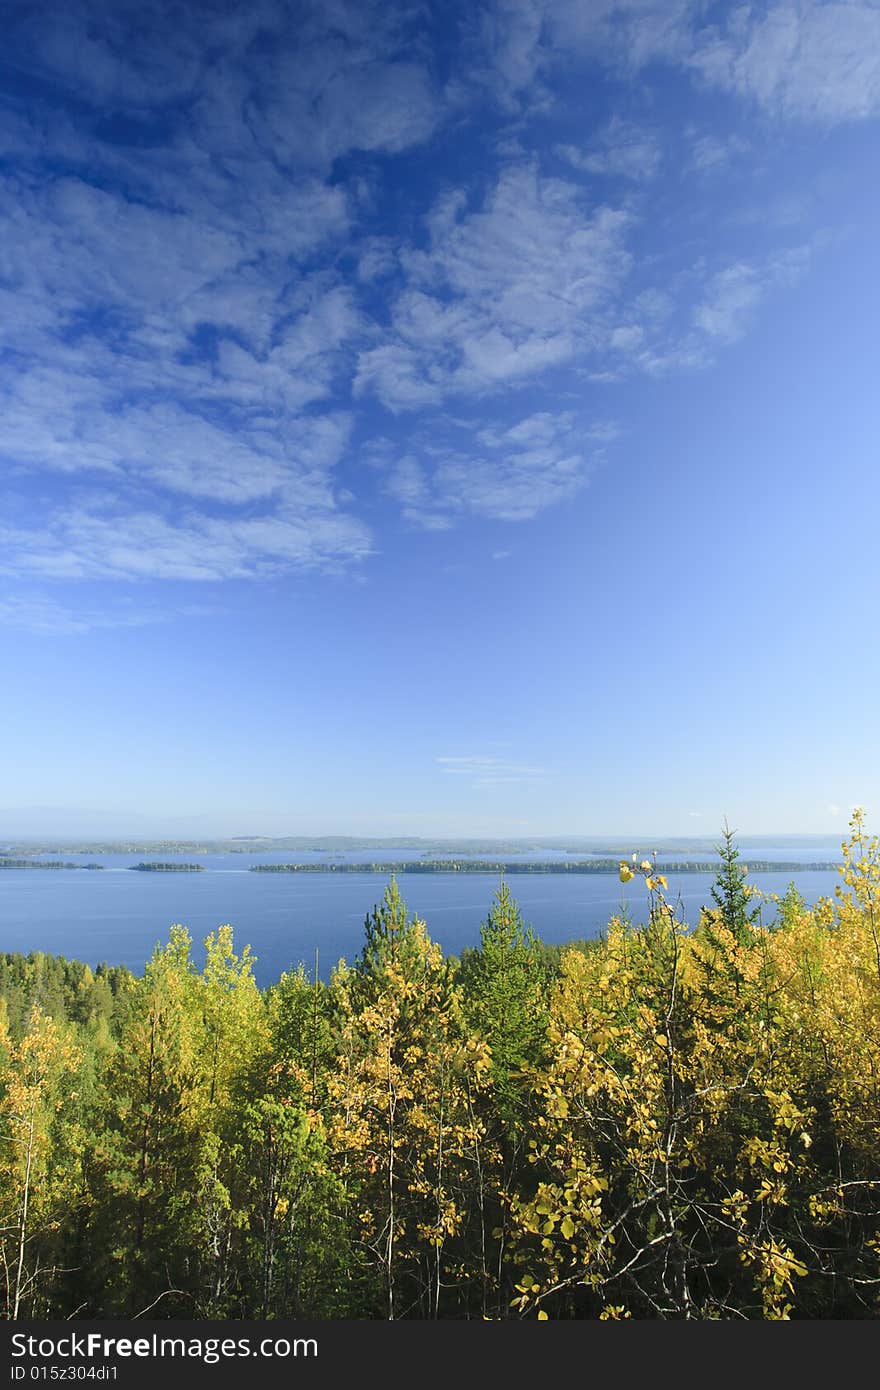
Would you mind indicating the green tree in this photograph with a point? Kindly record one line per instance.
(147, 1153)
(298, 1255)
(300, 1016)
(731, 893)
(505, 999)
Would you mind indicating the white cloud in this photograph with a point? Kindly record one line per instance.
(729, 303)
(98, 62)
(810, 60)
(376, 105)
(504, 292)
(165, 337)
(507, 50)
(705, 309)
(733, 294)
(47, 618)
(340, 77)
(532, 251)
(129, 545)
(184, 307)
(515, 487)
(505, 472)
(231, 440)
(84, 260)
(518, 41)
(711, 152)
(625, 33)
(620, 148)
(104, 300)
(377, 258)
(815, 60)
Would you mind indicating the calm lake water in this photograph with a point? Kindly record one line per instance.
(118, 916)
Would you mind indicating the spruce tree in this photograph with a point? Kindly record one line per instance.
(505, 991)
(730, 892)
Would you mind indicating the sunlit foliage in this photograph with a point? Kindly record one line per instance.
(678, 1121)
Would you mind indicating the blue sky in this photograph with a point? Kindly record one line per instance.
(435, 418)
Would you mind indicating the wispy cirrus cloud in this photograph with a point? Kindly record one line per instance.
(487, 771)
(45, 616)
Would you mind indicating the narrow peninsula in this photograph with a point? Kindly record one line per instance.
(6, 863)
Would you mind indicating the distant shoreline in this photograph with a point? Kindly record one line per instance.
(448, 866)
(553, 866)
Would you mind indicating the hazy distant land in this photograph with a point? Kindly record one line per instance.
(615, 847)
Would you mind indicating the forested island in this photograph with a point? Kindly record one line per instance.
(170, 867)
(676, 1120)
(7, 863)
(549, 866)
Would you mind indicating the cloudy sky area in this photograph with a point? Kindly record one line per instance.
(439, 418)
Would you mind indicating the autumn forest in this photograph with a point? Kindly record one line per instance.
(676, 1120)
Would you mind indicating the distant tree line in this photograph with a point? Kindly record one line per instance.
(549, 866)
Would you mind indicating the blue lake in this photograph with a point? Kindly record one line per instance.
(118, 916)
